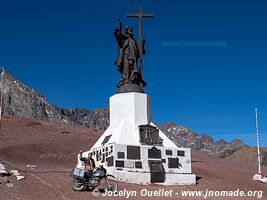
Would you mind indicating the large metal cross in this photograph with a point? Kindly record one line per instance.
(140, 15)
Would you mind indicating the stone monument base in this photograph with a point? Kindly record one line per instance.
(144, 178)
(135, 150)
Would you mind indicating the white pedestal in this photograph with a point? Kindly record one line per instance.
(133, 108)
(119, 149)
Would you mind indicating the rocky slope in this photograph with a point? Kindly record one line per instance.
(22, 101)
(248, 156)
(184, 137)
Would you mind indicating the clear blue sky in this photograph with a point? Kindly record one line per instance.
(66, 49)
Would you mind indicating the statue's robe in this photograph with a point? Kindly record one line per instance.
(126, 61)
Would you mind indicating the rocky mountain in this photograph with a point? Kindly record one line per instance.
(22, 101)
(248, 155)
(184, 137)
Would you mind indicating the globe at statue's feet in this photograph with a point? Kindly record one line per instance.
(130, 87)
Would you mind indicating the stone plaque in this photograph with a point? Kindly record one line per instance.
(110, 161)
(129, 164)
(138, 165)
(173, 162)
(149, 135)
(169, 152)
(181, 153)
(121, 155)
(106, 139)
(103, 157)
(154, 153)
(133, 152)
(119, 163)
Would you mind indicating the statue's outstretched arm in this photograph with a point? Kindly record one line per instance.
(120, 24)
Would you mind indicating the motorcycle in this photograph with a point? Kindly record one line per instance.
(99, 178)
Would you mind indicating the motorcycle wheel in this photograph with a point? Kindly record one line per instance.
(77, 184)
(111, 185)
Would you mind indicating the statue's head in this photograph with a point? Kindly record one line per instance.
(129, 30)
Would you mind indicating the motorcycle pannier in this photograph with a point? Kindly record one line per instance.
(78, 172)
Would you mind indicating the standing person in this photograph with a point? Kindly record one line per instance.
(89, 165)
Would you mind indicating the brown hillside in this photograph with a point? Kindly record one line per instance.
(53, 147)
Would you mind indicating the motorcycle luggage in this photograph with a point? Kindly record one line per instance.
(78, 172)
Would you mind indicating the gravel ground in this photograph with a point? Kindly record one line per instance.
(53, 147)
